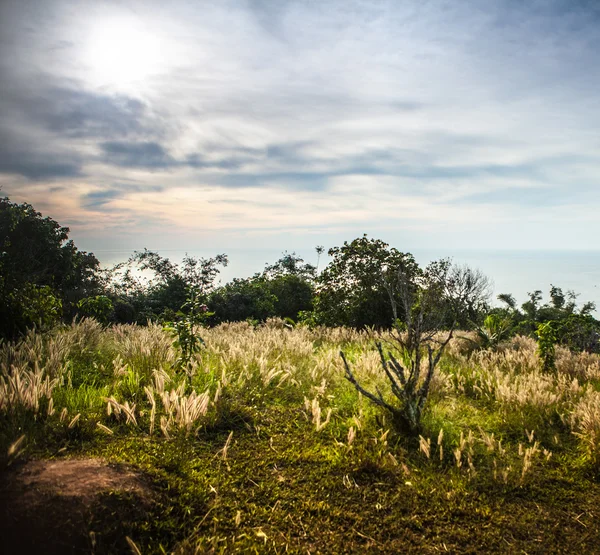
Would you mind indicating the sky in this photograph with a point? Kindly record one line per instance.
(239, 126)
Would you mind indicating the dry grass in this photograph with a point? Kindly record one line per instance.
(301, 367)
(494, 416)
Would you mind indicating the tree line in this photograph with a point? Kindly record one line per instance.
(45, 279)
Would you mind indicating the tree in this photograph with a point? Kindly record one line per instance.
(352, 289)
(99, 307)
(508, 300)
(290, 280)
(36, 252)
(429, 299)
(571, 326)
(243, 299)
(290, 265)
(320, 249)
(464, 291)
(530, 308)
(168, 287)
(282, 289)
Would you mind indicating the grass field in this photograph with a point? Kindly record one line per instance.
(264, 446)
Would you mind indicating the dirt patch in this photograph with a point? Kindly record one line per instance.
(53, 506)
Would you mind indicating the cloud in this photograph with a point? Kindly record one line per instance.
(74, 112)
(37, 166)
(149, 155)
(102, 199)
(80, 114)
(97, 200)
(46, 131)
(304, 115)
(18, 157)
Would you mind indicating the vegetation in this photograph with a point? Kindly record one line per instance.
(431, 300)
(351, 290)
(42, 274)
(269, 447)
(447, 425)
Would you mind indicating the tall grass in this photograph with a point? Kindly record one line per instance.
(124, 380)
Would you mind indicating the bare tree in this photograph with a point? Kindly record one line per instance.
(433, 302)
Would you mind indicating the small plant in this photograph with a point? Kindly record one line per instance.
(547, 338)
(188, 341)
(406, 385)
(99, 307)
(494, 330)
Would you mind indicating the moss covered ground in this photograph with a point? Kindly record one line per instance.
(284, 456)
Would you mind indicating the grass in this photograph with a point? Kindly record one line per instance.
(269, 449)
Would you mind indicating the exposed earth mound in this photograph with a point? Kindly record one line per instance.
(69, 506)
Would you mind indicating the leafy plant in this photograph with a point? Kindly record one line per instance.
(99, 307)
(495, 329)
(351, 289)
(580, 332)
(185, 331)
(167, 288)
(547, 337)
(38, 260)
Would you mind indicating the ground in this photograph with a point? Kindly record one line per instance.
(49, 506)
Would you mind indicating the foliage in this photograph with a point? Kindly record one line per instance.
(429, 300)
(580, 332)
(547, 337)
(123, 312)
(290, 281)
(99, 307)
(243, 299)
(495, 329)
(351, 290)
(457, 295)
(282, 290)
(192, 316)
(36, 252)
(32, 305)
(572, 327)
(290, 265)
(161, 295)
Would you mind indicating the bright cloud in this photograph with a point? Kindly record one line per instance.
(463, 123)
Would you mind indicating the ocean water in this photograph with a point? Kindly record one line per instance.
(519, 272)
(515, 272)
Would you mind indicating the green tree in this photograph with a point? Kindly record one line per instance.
(282, 289)
(99, 307)
(571, 326)
(291, 281)
(352, 289)
(531, 307)
(36, 252)
(167, 289)
(580, 332)
(34, 305)
(243, 299)
(508, 300)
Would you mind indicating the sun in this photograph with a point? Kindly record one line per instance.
(121, 52)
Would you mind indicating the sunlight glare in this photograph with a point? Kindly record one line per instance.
(122, 52)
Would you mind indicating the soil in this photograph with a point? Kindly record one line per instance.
(53, 506)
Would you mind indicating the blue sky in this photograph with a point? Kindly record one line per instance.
(190, 125)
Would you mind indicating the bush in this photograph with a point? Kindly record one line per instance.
(99, 307)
